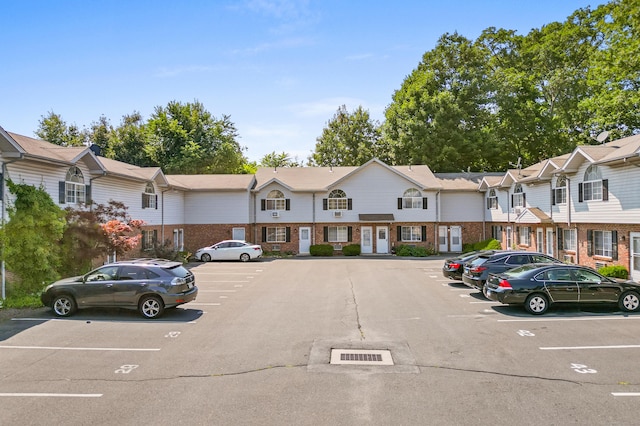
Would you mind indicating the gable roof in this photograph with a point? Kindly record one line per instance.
(464, 181)
(129, 171)
(39, 150)
(301, 179)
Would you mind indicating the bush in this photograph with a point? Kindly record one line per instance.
(490, 244)
(351, 250)
(614, 271)
(412, 251)
(321, 250)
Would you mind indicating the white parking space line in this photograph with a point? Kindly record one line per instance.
(570, 348)
(55, 395)
(625, 393)
(66, 348)
(204, 304)
(217, 291)
(222, 273)
(595, 318)
(486, 301)
(218, 281)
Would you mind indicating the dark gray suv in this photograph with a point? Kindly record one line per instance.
(477, 270)
(148, 285)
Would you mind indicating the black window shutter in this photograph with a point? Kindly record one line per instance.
(580, 196)
(288, 234)
(589, 242)
(325, 204)
(517, 235)
(287, 204)
(62, 192)
(87, 194)
(425, 203)
(156, 201)
(560, 238)
(605, 189)
(325, 233)
(144, 200)
(349, 233)
(553, 197)
(524, 200)
(614, 245)
(264, 234)
(488, 203)
(349, 204)
(263, 204)
(511, 200)
(399, 203)
(399, 233)
(424, 233)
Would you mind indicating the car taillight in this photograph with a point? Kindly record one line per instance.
(504, 284)
(178, 281)
(454, 265)
(478, 269)
(256, 248)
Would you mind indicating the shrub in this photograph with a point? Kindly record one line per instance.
(351, 250)
(321, 250)
(413, 251)
(614, 271)
(490, 244)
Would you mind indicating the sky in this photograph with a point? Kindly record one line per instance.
(279, 68)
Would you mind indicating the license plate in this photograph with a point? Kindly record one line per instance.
(189, 285)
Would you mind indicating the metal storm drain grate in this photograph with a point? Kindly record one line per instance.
(361, 357)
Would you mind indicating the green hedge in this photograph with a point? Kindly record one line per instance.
(614, 271)
(351, 250)
(412, 251)
(321, 250)
(490, 244)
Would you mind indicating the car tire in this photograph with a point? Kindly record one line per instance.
(64, 305)
(484, 291)
(206, 257)
(151, 307)
(536, 304)
(629, 301)
(244, 257)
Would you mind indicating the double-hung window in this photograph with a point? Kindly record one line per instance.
(74, 186)
(592, 184)
(337, 200)
(412, 199)
(338, 234)
(525, 235)
(518, 197)
(276, 234)
(275, 200)
(492, 200)
(602, 243)
(149, 198)
(569, 239)
(411, 233)
(560, 191)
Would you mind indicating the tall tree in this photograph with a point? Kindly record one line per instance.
(52, 128)
(283, 159)
(349, 139)
(129, 142)
(440, 114)
(186, 138)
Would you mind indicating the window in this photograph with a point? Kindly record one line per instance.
(592, 184)
(149, 239)
(560, 191)
(412, 199)
(602, 243)
(277, 235)
(178, 239)
(492, 200)
(411, 233)
(149, 198)
(275, 200)
(338, 234)
(496, 232)
(74, 186)
(518, 197)
(525, 235)
(569, 239)
(238, 234)
(337, 200)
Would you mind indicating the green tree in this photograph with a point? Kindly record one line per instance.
(349, 139)
(52, 128)
(129, 142)
(187, 139)
(31, 238)
(440, 115)
(283, 159)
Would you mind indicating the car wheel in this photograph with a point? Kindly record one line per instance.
(484, 290)
(629, 301)
(151, 307)
(536, 304)
(64, 305)
(244, 257)
(205, 257)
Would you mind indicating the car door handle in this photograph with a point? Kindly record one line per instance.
(109, 285)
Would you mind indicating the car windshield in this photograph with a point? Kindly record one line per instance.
(520, 270)
(478, 261)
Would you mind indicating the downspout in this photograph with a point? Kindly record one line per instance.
(162, 214)
(313, 218)
(437, 227)
(104, 173)
(4, 212)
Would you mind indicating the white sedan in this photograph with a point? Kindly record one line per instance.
(229, 250)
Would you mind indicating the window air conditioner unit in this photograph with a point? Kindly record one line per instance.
(275, 247)
(516, 210)
(337, 214)
(337, 246)
(275, 214)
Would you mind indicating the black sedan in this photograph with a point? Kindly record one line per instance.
(454, 266)
(537, 286)
(148, 285)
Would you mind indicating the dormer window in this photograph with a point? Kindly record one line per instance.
(149, 197)
(593, 187)
(560, 191)
(518, 199)
(73, 189)
(492, 200)
(275, 200)
(337, 200)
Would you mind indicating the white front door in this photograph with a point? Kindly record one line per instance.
(635, 256)
(443, 240)
(550, 242)
(456, 238)
(540, 240)
(366, 241)
(382, 240)
(304, 235)
(509, 238)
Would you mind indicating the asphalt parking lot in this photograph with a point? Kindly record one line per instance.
(255, 348)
